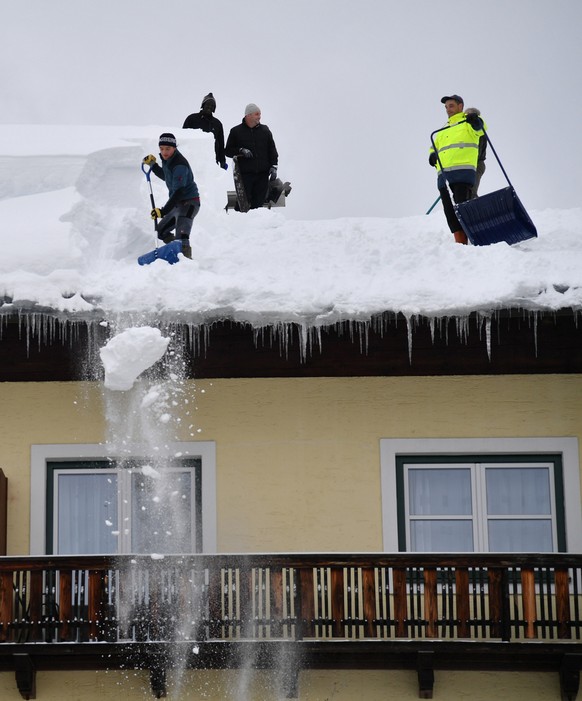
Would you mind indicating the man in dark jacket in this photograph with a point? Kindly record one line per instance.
(206, 121)
(253, 144)
(184, 202)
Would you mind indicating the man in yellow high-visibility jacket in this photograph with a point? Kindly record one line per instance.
(455, 158)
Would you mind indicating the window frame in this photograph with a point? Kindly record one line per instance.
(478, 465)
(490, 450)
(44, 457)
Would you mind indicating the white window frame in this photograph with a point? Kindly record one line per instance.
(391, 448)
(479, 516)
(41, 455)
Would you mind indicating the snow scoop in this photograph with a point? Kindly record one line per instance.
(168, 252)
(241, 195)
(277, 188)
(495, 217)
(277, 192)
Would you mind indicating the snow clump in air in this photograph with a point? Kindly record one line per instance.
(130, 353)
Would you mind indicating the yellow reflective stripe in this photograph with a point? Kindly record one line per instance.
(460, 144)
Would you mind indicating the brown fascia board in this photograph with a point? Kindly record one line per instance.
(39, 346)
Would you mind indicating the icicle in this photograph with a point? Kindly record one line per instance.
(409, 321)
(366, 327)
(488, 336)
(285, 335)
(431, 324)
(303, 340)
(317, 331)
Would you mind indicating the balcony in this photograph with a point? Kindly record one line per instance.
(423, 612)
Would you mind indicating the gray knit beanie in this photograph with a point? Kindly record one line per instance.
(251, 108)
(209, 98)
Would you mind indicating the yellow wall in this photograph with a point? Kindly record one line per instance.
(298, 464)
(298, 469)
(321, 685)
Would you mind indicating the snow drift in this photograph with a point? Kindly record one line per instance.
(75, 208)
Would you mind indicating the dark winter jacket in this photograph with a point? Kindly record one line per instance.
(259, 141)
(209, 124)
(178, 176)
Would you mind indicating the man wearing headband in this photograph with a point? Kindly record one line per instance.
(184, 201)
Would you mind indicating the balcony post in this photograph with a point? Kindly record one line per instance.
(35, 598)
(528, 596)
(276, 601)
(562, 581)
(6, 604)
(65, 604)
(430, 602)
(214, 603)
(400, 606)
(369, 588)
(462, 599)
(494, 580)
(95, 606)
(337, 602)
(246, 596)
(305, 626)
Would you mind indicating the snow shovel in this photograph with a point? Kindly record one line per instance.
(241, 195)
(494, 217)
(147, 173)
(170, 251)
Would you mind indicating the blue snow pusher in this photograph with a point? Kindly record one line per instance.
(169, 253)
(495, 217)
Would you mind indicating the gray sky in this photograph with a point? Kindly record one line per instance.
(351, 90)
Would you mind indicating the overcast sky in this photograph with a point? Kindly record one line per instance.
(351, 90)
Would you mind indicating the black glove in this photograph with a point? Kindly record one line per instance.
(432, 159)
(475, 121)
(246, 153)
(273, 173)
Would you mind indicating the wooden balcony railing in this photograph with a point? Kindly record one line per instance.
(404, 601)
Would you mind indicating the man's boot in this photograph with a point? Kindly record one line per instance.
(168, 238)
(186, 249)
(460, 237)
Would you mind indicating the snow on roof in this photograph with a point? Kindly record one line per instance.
(74, 207)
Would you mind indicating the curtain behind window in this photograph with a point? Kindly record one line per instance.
(87, 514)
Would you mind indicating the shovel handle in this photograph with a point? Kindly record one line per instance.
(147, 172)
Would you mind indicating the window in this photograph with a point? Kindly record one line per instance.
(441, 495)
(85, 502)
(467, 505)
